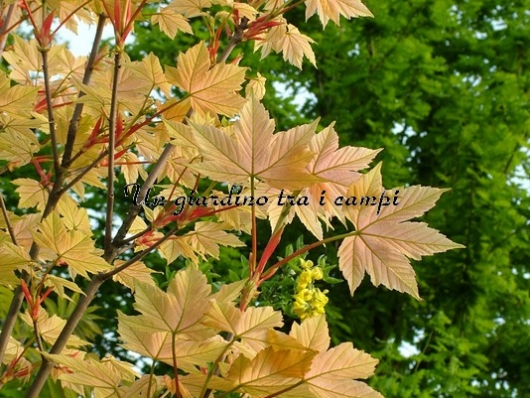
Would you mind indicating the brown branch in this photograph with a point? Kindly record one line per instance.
(175, 368)
(236, 38)
(112, 143)
(49, 105)
(149, 182)
(78, 110)
(3, 29)
(8, 222)
(12, 316)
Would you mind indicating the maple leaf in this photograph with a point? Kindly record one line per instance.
(18, 143)
(211, 90)
(256, 87)
(207, 237)
(295, 46)
(312, 333)
(333, 9)
(135, 272)
(25, 59)
(151, 69)
(253, 151)
(51, 326)
(171, 21)
(178, 310)
(224, 316)
(59, 284)
(160, 345)
(190, 8)
(74, 248)
(332, 370)
(287, 38)
(337, 167)
(383, 241)
(177, 246)
(103, 375)
(32, 193)
(270, 371)
(14, 258)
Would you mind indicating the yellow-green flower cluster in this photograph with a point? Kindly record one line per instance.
(309, 301)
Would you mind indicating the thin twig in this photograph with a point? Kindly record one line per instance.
(3, 29)
(112, 143)
(69, 16)
(49, 105)
(175, 367)
(78, 110)
(236, 38)
(12, 316)
(80, 176)
(149, 182)
(37, 335)
(8, 222)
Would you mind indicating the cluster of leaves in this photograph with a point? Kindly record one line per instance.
(180, 127)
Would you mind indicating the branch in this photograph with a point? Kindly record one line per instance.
(49, 105)
(112, 144)
(3, 29)
(149, 182)
(78, 110)
(8, 222)
(236, 38)
(272, 270)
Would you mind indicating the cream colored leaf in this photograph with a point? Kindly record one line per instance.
(342, 362)
(25, 60)
(208, 236)
(211, 89)
(254, 151)
(144, 342)
(171, 22)
(229, 292)
(14, 258)
(177, 246)
(335, 164)
(224, 316)
(50, 327)
(32, 194)
(141, 387)
(270, 371)
(333, 9)
(384, 241)
(74, 217)
(330, 388)
(190, 8)
(312, 333)
(22, 229)
(256, 87)
(180, 308)
(151, 69)
(295, 46)
(18, 143)
(104, 376)
(135, 272)
(73, 248)
(59, 284)
(391, 269)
